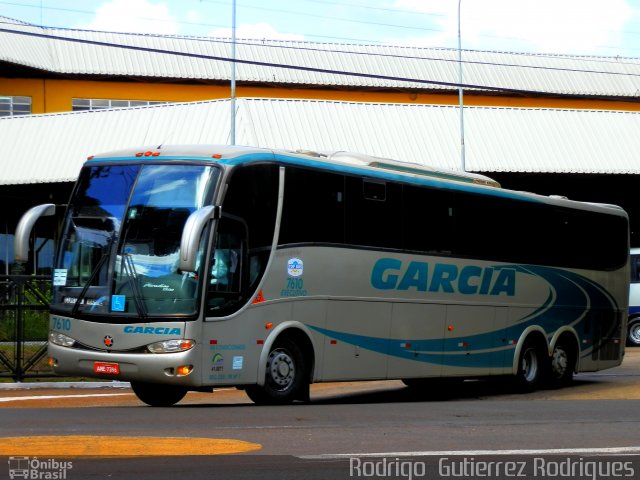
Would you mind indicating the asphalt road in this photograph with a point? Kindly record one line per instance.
(366, 429)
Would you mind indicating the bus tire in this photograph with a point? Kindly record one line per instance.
(633, 332)
(562, 363)
(158, 395)
(284, 377)
(532, 365)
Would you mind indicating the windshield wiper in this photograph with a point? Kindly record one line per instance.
(106, 253)
(87, 285)
(130, 271)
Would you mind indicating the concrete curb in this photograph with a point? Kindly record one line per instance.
(49, 385)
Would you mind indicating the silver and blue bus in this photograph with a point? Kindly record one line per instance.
(185, 268)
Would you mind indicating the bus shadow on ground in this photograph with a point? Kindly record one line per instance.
(437, 391)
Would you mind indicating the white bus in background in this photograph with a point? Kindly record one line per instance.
(633, 328)
(195, 267)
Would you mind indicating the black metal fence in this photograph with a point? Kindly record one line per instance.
(24, 326)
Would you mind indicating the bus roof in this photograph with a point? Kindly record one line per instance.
(340, 160)
(337, 157)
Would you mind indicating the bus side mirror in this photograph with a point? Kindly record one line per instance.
(191, 233)
(25, 226)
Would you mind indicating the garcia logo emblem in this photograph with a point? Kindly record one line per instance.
(218, 363)
(108, 341)
(295, 267)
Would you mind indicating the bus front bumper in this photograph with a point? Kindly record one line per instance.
(166, 368)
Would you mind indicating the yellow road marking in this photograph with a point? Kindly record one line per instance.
(108, 446)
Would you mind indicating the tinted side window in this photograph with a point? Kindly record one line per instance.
(502, 229)
(480, 227)
(252, 197)
(590, 240)
(372, 213)
(313, 209)
(427, 220)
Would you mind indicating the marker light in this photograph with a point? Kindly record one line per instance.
(184, 370)
(171, 346)
(61, 339)
(147, 154)
(259, 298)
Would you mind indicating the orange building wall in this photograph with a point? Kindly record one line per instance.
(50, 96)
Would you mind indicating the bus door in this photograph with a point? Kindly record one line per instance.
(226, 288)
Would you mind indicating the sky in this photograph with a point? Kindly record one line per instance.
(582, 27)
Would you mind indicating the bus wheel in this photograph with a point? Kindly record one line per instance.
(563, 363)
(633, 337)
(531, 367)
(284, 376)
(158, 395)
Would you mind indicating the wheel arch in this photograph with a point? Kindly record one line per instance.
(533, 333)
(296, 331)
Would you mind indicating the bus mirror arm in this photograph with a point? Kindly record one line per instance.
(25, 227)
(191, 233)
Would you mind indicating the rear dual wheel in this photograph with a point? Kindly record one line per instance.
(532, 366)
(536, 368)
(563, 363)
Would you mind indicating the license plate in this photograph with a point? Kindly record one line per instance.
(106, 368)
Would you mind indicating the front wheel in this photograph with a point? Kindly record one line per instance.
(633, 335)
(284, 377)
(158, 395)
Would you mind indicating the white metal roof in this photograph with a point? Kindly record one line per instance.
(377, 66)
(52, 147)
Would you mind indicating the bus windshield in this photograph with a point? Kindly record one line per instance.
(120, 242)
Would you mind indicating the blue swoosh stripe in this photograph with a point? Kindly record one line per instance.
(571, 297)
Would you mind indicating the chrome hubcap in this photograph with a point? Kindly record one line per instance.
(281, 369)
(529, 365)
(634, 333)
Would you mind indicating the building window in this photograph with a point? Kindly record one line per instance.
(10, 106)
(83, 104)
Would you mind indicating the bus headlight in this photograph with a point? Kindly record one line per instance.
(171, 346)
(61, 339)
